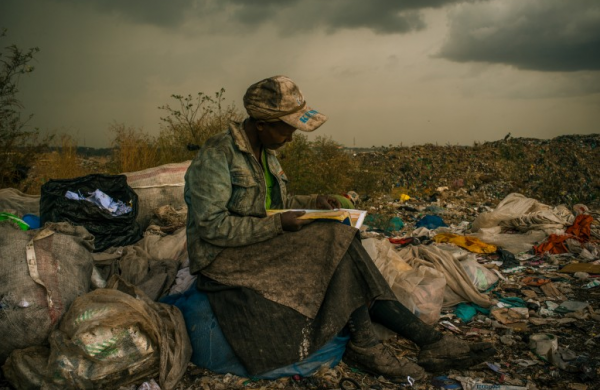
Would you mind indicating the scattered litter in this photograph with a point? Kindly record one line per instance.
(101, 200)
(477, 384)
(444, 382)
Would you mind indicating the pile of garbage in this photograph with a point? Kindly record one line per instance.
(556, 171)
(519, 272)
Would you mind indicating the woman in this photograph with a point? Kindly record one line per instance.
(280, 286)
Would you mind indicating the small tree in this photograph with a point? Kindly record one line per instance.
(17, 144)
(189, 125)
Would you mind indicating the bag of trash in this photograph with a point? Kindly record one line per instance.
(212, 351)
(26, 368)
(459, 287)
(41, 274)
(102, 208)
(154, 276)
(158, 186)
(524, 214)
(420, 289)
(116, 336)
(481, 277)
(19, 203)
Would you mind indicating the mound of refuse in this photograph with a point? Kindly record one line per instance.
(564, 169)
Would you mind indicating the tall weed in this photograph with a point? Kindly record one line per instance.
(62, 162)
(191, 122)
(133, 149)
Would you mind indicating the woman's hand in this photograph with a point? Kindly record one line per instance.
(290, 221)
(326, 202)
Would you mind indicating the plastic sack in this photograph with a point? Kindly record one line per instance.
(459, 287)
(421, 290)
(19, 203)
(481, 277)
(109, 230)
(41, 274)
(387, 260)
(211, 350)
(519, 212)
(26, 368)
(156, 187)
(115, 336)
(514, 243)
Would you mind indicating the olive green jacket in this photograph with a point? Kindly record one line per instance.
(225, 192)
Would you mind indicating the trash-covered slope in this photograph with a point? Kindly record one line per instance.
(565, 169)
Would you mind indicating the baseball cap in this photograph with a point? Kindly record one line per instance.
(279, 98)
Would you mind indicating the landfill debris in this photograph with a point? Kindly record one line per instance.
(499, 173)
(545, 346)
(443, 382)
(581, 267)
(476, 384)
(593, 283)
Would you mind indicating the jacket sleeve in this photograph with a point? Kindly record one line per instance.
(301, 202)
(208, 193)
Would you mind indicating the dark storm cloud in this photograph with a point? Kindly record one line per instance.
(380, 16)
(545, 35)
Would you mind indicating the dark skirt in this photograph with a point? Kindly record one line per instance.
(266, 334)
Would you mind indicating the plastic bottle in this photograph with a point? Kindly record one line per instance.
(593, 283)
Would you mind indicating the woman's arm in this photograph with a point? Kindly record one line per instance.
(208, 193)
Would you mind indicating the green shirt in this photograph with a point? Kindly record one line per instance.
(269, 179)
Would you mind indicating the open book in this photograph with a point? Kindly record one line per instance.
(350, 217)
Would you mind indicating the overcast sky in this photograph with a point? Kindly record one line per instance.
(384, 71)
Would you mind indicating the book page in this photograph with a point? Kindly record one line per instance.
(357, 217)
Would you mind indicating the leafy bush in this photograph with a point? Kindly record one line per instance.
(188, 126)
(319, 166)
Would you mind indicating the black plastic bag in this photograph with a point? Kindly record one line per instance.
(108, 230)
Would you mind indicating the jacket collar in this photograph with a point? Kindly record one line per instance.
(241, 139)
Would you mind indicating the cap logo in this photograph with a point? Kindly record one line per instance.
(307, 115)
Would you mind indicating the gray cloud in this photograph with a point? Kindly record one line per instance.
(380, 16)
(545, 35)
(156, 12)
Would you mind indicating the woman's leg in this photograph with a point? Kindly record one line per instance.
(365, 352)
(361, 328)
(397, 318)
(438, 352)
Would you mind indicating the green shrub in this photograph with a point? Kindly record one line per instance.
(319, 166)
(196, 119)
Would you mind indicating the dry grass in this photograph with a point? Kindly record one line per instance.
(133, 149)
(61, 163)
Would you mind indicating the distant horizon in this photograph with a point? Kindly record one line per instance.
(475, 143)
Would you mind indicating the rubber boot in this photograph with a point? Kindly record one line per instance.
(381, 360)
(453, 353)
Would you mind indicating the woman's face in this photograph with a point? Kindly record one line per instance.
(273, 135)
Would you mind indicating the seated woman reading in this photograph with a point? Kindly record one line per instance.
(281, 287)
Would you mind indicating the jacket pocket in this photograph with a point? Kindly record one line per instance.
(244, 193)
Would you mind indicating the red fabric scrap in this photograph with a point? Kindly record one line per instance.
(555, 244)
(581, 228)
